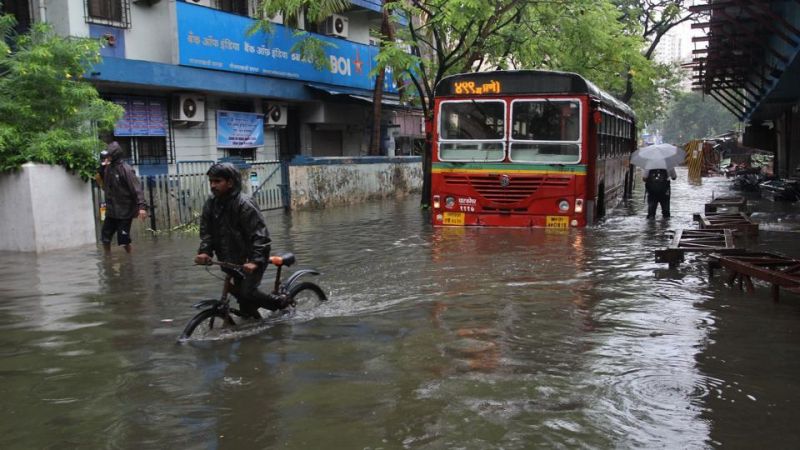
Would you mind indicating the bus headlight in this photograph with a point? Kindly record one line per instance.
(449, 202)
(563, 205)
(436, 203)
(578, 205)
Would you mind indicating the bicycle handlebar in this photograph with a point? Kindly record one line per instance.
(286, 259)
(226, 265)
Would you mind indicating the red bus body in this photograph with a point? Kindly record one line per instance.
(528, 149)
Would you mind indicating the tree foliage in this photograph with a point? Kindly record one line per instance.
(610, 42)
(651, 20)
(294, 14)
(48, 113)
(693, 116)
(589, 37)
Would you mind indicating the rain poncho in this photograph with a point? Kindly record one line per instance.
(232, 226)
(124, 196)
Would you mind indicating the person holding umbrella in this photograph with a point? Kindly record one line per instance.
(658, 164)
(657, 187)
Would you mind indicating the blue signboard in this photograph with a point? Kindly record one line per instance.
(239, 130)
(213, 39)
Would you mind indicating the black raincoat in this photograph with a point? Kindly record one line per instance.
(124, 195)
(233, 228)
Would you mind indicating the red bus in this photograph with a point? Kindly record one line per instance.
(528, 148)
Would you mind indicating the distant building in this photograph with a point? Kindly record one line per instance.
(675, 48)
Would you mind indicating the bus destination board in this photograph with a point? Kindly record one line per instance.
(467, 87)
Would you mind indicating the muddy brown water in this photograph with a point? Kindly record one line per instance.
(432, 339)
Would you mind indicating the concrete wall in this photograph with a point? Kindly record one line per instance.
(152, 33)
(151, 26)
(44, 208)
(322, 182)
(66, 16)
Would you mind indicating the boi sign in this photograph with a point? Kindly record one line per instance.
(340, 65)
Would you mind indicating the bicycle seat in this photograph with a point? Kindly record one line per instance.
(285, 259)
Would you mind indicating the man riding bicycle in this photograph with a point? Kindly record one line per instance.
(233, 228)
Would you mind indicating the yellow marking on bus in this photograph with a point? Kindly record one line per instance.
(507, 171)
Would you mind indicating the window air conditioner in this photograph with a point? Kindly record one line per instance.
(206, 3)
(335, 25)
(275, 114)
(189, 108)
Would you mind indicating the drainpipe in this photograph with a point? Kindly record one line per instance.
(42, 11)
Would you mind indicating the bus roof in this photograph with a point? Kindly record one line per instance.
(522, 82)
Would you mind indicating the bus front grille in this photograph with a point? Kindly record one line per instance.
(506, 190)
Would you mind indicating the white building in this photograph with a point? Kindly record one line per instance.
(197, 87)
(675, 48)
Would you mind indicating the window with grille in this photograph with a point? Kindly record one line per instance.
(21, 12)
(108, 12)
(144, 131)
(147, 150)
(233, 6)
(248, 154)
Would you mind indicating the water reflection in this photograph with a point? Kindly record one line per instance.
(433, 338)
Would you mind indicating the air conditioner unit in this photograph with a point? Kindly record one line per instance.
(275, 114)
(189, 108)
(335, 25)
(206, 3)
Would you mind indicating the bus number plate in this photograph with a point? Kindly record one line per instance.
(453, 218)
(557, 222)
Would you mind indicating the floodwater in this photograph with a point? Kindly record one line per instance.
(432, 339)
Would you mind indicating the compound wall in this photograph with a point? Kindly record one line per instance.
(43, 208)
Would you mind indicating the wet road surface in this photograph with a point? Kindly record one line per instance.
(433, 338)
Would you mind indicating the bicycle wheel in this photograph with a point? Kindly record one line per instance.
(306, 296)
(206, 324)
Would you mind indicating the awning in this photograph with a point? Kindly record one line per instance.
(384, 101)
(751, 60)
(126, 73)
(362, 95)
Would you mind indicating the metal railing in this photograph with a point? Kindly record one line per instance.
(177, 200)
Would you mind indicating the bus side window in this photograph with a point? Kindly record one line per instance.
(604, 135)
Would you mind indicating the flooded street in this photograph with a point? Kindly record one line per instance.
(432, 339)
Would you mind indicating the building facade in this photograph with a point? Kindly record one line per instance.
(197, 85)
(750, 64)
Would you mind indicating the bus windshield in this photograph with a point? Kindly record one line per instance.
(546, 131)
(472, 130)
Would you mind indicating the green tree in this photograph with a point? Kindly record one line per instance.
(588, 37)
(48, 113)
(693, 116)
(386, 38)
(650, 19)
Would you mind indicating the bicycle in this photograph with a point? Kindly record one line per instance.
(304, 295)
